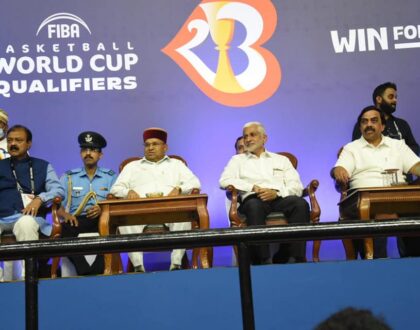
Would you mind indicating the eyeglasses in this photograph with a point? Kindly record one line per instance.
(152, 144)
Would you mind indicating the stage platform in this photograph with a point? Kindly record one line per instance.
(285, 297)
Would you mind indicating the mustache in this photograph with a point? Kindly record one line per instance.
(13, 147)
(88, 157)
(367, 129)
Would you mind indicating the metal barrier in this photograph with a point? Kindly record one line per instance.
(241, 237)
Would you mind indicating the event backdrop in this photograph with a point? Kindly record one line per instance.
(201, 70)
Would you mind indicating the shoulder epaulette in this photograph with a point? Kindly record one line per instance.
(106, 170)
(74, 171)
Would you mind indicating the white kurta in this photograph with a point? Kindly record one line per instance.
(365, 162)
(270, 170)
(143, 176)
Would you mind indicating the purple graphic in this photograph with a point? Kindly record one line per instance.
(98, 65)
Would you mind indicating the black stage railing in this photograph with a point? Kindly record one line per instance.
(241, 237)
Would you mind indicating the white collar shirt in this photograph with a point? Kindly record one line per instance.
(365, 163)
(270, 170)
(143, 176)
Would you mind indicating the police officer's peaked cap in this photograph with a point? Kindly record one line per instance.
(91, 140)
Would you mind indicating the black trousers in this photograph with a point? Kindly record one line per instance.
(409, 246)
(85, 226)
(379, 243)
(379, 247)
(296, 210)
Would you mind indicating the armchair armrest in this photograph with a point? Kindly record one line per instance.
(234, 218)
(56, 224)
(314, 214)
(111, 196)
(341, 188)
(309, 191)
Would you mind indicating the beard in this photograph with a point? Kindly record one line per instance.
(388, 108)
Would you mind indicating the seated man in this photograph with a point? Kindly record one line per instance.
(4, 121)
(385, 98)
(155, 173)
(267, 182)
(83, 187)
(362, 162)
(239, 149)
(26, 184)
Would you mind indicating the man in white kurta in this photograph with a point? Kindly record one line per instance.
(155, 174)
(363, 162)
(267, 182)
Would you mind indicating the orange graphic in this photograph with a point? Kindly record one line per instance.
(216, 20)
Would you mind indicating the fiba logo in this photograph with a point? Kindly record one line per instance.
(69, 61)
(235, 70)
(57, 29)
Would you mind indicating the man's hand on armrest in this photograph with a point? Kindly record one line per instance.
(67, 217)
(340, 174)
(132, 195)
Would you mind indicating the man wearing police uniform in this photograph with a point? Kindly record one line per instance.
(83, 187)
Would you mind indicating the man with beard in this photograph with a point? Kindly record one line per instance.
(385, 98)
(362, 162)
(267, 182)
(27, 184)
(83, 187)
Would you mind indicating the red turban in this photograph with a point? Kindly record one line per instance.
(155, 133)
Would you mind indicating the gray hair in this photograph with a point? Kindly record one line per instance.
(260, 126)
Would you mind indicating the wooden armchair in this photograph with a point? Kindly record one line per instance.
(9, 237)
(349, 210)
(158, 228)
(278, 218)
(376, 203)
